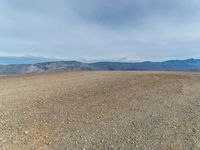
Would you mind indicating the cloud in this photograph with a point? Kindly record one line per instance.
(145, 29)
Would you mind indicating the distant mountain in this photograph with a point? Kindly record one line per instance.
(6, 60)
(171, 65)
(122, 59)
(44, 67)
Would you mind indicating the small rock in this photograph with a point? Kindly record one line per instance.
(194, 130)
(26, 132)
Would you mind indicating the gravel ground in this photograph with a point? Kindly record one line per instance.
(100, 110)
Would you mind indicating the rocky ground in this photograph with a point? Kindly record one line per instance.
(100, 110)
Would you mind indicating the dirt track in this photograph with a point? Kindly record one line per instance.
(100, 110)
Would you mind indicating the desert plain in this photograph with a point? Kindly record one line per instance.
(100, 110)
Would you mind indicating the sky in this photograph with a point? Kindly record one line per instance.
(101, 29)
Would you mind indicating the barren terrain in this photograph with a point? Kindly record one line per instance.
(100, 110)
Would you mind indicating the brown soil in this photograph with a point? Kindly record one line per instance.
(100, 110)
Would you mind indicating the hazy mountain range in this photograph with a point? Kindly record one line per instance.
(50, 66)
(6, 60)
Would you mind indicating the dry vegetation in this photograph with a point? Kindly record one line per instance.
(100, 110)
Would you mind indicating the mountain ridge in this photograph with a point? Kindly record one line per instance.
(53, 66)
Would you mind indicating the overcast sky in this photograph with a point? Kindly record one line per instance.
(101, 29)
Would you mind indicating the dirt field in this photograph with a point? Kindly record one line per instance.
(100, 110)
